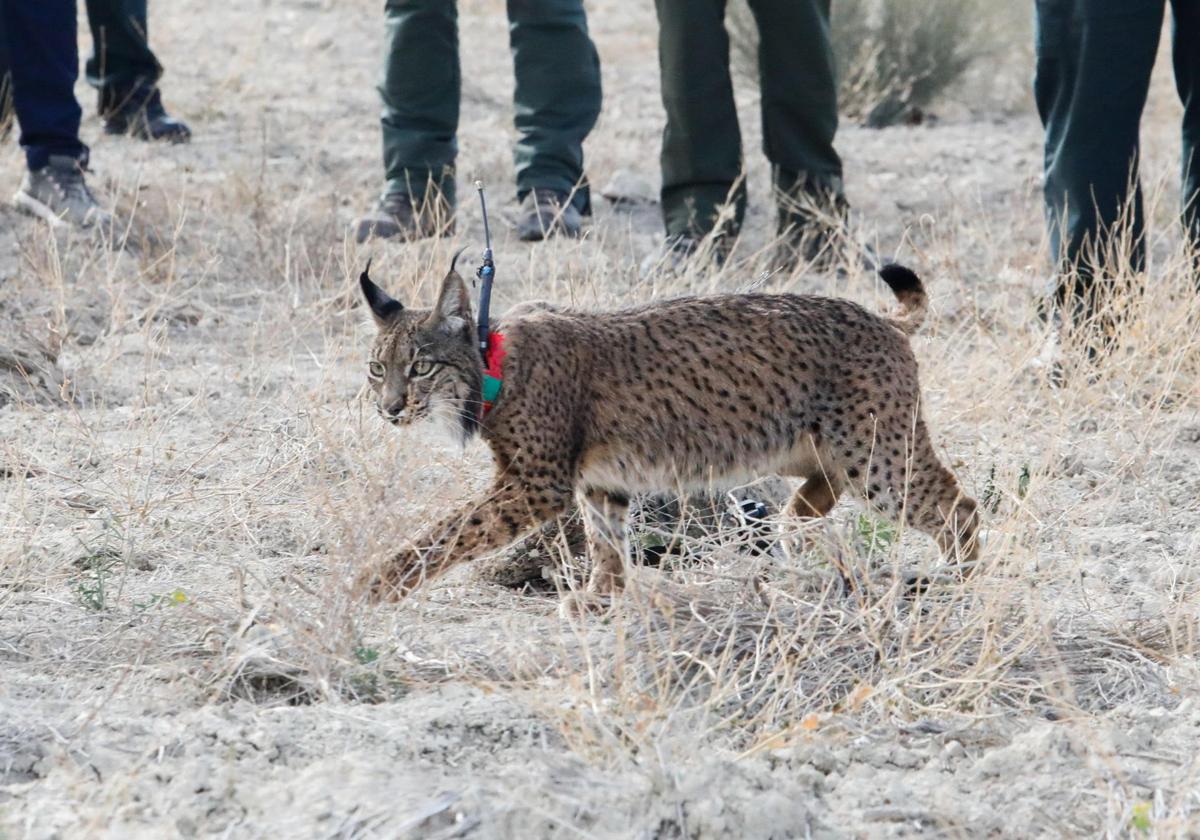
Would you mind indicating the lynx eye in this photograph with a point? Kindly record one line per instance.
(422, 367)
(375, 369)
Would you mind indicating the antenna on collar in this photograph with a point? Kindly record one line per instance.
(486, 273)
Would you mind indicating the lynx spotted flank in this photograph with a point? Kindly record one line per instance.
(664, 397)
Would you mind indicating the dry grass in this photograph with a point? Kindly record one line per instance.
(189, 475)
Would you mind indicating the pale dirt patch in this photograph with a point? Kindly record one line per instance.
(189, 473)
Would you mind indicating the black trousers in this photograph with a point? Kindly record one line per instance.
(702, 146)
(122, 67)
(43, 60)
(1094, 59)
(557, 95)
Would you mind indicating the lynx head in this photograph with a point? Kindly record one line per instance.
(424, 363)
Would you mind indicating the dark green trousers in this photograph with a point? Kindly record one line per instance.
(702, 146)
(1094, 59)
(121, 64)
(557, 94)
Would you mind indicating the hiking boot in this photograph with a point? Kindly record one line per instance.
(814, 245)
(812, 224)
(141, 114)
(1087, 319)
(821, 247)
(546, 213)
(680, 250)
(395, 214)
(58, 194)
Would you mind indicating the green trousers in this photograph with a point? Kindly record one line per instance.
(121, 64)
(557, 95)
(1094, 59)
(702, 162)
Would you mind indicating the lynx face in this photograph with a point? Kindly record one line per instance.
(424, 364)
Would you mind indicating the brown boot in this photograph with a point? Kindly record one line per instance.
(396, 214)
(546, 213)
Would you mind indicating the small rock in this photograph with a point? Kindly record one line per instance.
(953, 750)
(626, 187)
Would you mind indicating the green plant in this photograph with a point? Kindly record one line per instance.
(171, 599)
(877, 535)
(92, 591)
(1023, 481)
(989, 499)
(1139, 818)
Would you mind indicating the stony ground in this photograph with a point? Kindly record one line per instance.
(188, 473)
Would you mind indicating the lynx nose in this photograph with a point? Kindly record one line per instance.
(395, 410)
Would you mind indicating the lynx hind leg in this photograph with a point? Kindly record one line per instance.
(605, 514)
(948, 515)
(823, 486)
(935, 502)
(897, 473)
(816, 497)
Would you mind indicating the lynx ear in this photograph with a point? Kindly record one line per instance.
(383, 306)
(453, 309)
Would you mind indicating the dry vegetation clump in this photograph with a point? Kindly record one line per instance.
(190, 475)
(897, 59)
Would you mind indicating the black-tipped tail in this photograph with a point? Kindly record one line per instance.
(901, 279)
(910, 293)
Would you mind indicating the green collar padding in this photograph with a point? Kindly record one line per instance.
(491, 387)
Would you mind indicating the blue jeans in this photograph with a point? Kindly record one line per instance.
(44, 55)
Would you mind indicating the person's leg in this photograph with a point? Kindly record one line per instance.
(1186, 51)
(121, 63)
(45, 64)
(702, 145)
(1094, 59)
(421, 88)
(799, 107)
(557, 95)
(125, 73)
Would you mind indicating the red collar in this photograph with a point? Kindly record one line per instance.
(493, 375)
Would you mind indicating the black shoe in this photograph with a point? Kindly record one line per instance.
(1085, 324)
(679, 251)
(546, 213)
(140, 114)
(396, 214)
(813, 226)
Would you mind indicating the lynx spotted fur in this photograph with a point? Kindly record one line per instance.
(661, 398)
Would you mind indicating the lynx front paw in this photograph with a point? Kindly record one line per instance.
(390, 581)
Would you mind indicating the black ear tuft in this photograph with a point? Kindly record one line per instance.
(383, 306)
(453, 309)
(454, 259)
